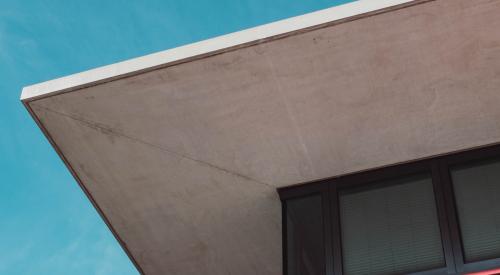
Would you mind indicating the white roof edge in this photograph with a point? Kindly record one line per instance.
(163, 58)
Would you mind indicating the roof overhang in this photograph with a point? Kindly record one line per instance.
(181, 151)
(217, 45)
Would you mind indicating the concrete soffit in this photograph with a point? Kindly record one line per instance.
(226, 43)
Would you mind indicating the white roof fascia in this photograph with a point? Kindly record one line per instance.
(203, 48)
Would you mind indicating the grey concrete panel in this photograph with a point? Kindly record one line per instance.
(184, 160)
(213, 46)
(177, 216)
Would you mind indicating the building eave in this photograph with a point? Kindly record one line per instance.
(210, 47)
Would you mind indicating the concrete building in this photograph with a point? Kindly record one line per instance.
(182, 151)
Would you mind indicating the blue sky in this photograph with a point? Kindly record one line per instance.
(47, 225)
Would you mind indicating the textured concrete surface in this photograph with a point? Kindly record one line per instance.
(211, 46)
(184, 161)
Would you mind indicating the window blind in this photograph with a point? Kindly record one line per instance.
(477, 196)
(390, 228)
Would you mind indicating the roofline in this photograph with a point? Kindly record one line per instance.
(87, 193)
(209, 47)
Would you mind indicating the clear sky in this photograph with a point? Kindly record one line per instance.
(47, 225)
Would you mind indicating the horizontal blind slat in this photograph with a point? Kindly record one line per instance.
(392, 229)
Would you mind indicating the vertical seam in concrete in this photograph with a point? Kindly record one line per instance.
(293, 119)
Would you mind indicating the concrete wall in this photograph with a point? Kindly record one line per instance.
(185, 160)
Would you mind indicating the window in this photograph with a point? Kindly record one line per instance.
(436, 216)
(390, 227)
(477, 193)
(304, 223)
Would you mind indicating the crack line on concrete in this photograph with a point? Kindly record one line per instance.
(290, 114)
(110, 131)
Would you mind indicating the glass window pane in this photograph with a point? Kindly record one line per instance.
(391, 228)
(477, 195)
(305, 247)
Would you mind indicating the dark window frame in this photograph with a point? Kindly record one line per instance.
(438, 169)
(311, 190)
(446, 163)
